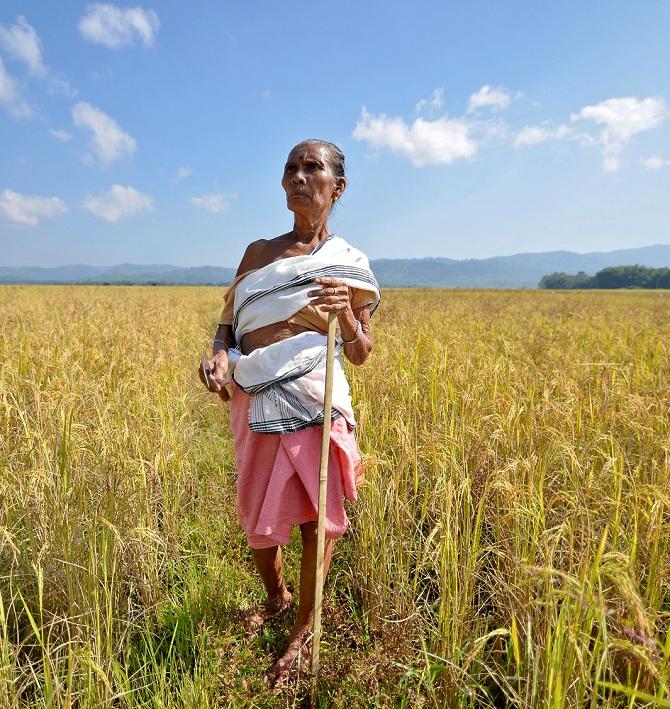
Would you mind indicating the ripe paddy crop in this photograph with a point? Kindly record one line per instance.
(510, 547)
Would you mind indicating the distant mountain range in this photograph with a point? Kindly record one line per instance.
(516, 271)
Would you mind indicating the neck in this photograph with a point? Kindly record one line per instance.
(308, 230)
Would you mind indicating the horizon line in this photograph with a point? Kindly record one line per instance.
(401, 258)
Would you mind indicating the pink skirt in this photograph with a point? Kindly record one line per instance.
(278, 477)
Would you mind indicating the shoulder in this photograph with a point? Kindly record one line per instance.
(261, 252)
(252, 256)
(354, 255)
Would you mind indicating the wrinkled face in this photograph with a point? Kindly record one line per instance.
(308, 180)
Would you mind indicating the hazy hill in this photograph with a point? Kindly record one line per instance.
(121, 273)
(516, 271)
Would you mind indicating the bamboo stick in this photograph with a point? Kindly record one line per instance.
(323, 489)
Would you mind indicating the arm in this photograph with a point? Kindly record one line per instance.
(224, 338)
(217, 365)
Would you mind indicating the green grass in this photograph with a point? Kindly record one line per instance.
(510, 547)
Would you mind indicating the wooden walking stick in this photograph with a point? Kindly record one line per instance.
(323, 490)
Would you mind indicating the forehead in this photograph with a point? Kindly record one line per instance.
(311, 151)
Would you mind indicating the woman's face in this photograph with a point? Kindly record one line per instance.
(308, 180)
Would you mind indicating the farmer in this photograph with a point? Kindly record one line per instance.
(270, 347)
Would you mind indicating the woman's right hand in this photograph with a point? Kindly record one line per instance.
(215, 381)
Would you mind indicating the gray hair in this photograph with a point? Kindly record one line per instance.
(335, 155)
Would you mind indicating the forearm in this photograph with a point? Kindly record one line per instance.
(213, 372)
(359, 336)
(223, 339)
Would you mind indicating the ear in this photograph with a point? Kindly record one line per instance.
(340, 186)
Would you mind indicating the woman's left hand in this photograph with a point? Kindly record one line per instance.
(332, 296)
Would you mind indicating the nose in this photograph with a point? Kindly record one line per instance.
(299, 177)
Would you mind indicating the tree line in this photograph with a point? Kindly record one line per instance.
(610, 277)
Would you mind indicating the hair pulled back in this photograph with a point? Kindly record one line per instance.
(335, 155)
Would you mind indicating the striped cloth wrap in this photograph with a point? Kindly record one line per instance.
(286, 380)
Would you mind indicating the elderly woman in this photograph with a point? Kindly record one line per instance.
(270, 348)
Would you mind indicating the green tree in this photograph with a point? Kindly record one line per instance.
(634, 276)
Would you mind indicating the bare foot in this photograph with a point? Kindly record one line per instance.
(254, 619)
(296, 657)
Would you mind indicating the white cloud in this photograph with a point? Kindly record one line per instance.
(584, 138)
(489, 129)
(10, 96)
(441, 141)
(532, 135)
(61, 135)
(22, 43)
(611, 163)
(108, 141)
(116, 27)
(655, 162)
(486, 96)
(216, 203)
(182, 173)
(435, 101)
(119, 202)
(622, 118)
(25, 209)
(59, 85)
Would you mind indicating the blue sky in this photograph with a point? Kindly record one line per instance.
(157, 133)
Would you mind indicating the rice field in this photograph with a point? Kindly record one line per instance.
(510, 547)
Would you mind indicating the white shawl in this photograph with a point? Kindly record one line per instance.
(286, 379)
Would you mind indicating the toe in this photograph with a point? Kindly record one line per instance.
(276, 674)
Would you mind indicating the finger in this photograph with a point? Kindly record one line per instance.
(326, 287)
(330, 300)
(329, 293)
(214, 385)
(336, 308)
(224, 395)
(205, 375)
(331, 306)
(325, 281)
(331, 283)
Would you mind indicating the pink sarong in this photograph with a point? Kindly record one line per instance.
(278, 476)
